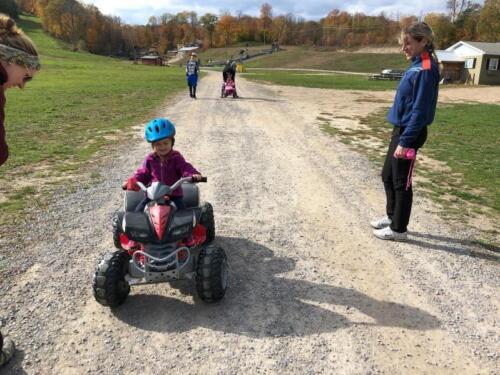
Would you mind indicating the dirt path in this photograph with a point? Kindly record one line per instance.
(311, 291)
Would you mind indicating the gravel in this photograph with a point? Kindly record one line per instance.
(311, 291)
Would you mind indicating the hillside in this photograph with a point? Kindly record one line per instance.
(312, 58)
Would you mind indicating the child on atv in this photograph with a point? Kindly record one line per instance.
(164, 164)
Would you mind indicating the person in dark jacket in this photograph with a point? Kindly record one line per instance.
(18, 64)
(192, 72)
(412, 111)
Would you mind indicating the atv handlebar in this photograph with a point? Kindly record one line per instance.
(177, 184)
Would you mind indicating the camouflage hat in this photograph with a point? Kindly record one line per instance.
(16, 56)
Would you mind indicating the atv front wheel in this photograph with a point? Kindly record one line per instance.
(109, 284)
(211, 274)
(207, 220)
(116, 231)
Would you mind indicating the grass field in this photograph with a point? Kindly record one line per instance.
(464, 138)
(311, 58)
(319, 80)
(77, 105)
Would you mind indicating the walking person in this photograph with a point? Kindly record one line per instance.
(413, 110)
(192, 71)
(18, 65)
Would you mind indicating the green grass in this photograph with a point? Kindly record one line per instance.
(79, 104)
(465, 138)
(325, 81)
(311, 58)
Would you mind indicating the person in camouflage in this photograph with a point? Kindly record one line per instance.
(18, 64)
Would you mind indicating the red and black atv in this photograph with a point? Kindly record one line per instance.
(162, 244)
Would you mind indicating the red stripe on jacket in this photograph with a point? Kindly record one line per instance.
(426, 61)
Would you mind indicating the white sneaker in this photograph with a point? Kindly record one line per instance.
(381, 223)
(388, 234)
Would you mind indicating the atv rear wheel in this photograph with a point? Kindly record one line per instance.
(207, 220)
(211, 274)
(109, 284)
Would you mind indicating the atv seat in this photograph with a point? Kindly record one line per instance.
(191, 195)
(132, 199)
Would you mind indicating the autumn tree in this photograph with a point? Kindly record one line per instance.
(489, 21)
(225, 28)
(466, 24)
(27, 6)
(209, 22)
(455, 8)
(266, 20)
(444, 30)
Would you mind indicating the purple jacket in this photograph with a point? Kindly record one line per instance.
(167, 171)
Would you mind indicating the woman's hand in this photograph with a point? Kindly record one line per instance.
(196, 177)
(400, 152)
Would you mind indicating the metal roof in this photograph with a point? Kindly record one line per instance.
(488, 48)
(151, 57)
(187, 49)
(480, 47)
(449, 56)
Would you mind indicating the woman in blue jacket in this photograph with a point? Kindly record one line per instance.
(412, 111)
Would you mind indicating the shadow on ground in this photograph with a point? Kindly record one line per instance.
(455, 246)
(262, 303)
(15, 365)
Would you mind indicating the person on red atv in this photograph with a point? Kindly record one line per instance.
(164, 164)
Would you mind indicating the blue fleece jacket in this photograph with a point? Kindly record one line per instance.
(416, 98)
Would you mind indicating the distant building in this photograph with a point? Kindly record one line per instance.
(188, 49)
(151, 60)
(475, 63)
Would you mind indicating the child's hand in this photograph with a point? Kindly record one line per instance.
(196, 177)
(131, 184)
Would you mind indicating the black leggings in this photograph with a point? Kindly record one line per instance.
(397, 181)
(192, 90)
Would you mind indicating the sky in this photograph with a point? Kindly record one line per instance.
(139, 11)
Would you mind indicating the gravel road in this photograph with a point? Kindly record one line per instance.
(310, 291)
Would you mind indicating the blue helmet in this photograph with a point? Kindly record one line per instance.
(158, 129)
